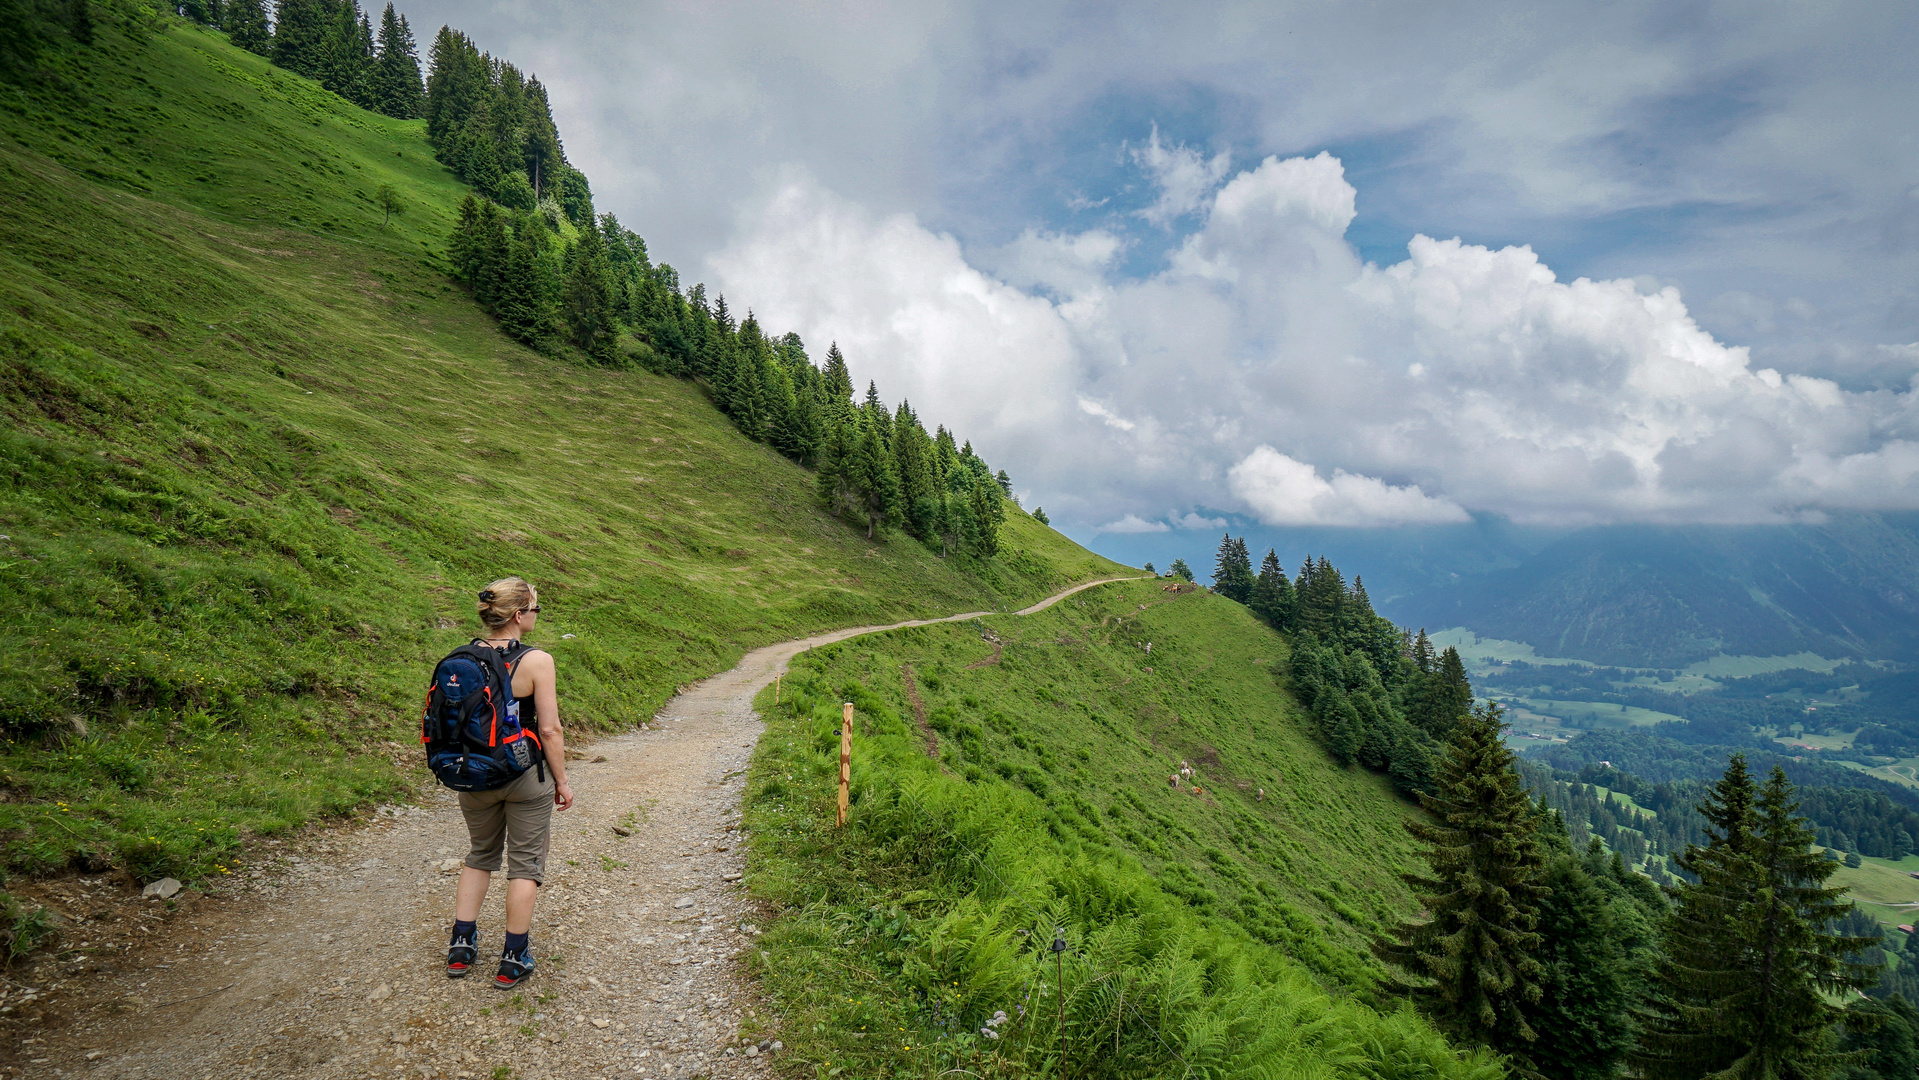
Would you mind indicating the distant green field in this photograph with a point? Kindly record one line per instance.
(1481, 652)
(260, 453)
(1884, 888)
(1602, 713)
(1009, 777)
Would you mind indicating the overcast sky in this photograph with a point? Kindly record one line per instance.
(1177, 266)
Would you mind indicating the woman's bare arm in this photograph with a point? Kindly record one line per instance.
(546, 704)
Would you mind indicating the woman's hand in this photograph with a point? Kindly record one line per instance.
(563, 795)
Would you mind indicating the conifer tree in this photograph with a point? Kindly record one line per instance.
(1272, 597)
(837, 488)
(839, 384)
(1233, 570)
(1749, 959)
(540, 151)
(1180, 570)
(588, 298)
(245, 22)
(302, 30)
(877, 481)
(1442, 697)
(1472, 958)
(395, 82)
(525, 302)
(1582, 1019)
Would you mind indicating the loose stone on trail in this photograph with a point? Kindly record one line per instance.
(165, 888)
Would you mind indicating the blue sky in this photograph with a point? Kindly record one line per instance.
(1178, 265)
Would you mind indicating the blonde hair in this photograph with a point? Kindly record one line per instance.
(503, 599)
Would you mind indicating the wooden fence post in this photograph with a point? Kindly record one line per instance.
(776, 687)
(846, 758)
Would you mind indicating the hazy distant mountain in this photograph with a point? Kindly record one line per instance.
(1636, 595)
(1669, 596)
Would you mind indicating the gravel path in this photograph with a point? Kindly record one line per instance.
(328, 963)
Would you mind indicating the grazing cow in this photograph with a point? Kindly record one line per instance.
(1173, 780)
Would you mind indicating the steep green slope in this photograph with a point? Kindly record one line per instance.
(1010, 776)
(259, 453)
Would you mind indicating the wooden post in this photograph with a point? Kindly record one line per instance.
(846, 758)
(776, 687)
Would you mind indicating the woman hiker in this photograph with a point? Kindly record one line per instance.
(519, 816)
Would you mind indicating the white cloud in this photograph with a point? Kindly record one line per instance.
(1133, 523)
(1475, 378)
(1184, 177)
(1284, 491)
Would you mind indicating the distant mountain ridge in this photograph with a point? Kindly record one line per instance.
(1672, 595)
(1629, 595)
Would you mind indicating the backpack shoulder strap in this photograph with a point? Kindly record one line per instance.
(488, 657)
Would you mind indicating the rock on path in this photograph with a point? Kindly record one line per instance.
(332, 966)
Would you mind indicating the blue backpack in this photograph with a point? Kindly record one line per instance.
(471, 723)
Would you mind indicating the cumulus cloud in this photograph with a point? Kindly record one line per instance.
(1268, 370)
(1283, 491)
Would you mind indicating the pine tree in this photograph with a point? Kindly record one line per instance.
(587, 301)
(1180, 570)
(839, 384)
(877, 481)
(1582, 1019)
(1272, 597)
(540, 151)
(1747, 953)
(1473, 956)
(525, 304)
(1233, 570)
(1440, 698)
(837, 489)
(395, 82)
(302, 30)
(245, 22)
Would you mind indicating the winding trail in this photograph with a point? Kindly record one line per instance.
(328, 964)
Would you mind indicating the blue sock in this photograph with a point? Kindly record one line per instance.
(464, 929)
(516, 943)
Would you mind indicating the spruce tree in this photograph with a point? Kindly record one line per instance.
(1472, 959)
(877, 481)
(1749, 959)
(245, 22)
(1582, 1019)
(395, 82)
(1272, 598)
(540, 151)
(837, 489)
(587, 301)
(1233, 570)
(839, 384)
(302, 30)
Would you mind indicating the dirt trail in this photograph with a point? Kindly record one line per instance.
(329, 965)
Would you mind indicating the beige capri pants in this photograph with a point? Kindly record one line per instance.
(518, 818)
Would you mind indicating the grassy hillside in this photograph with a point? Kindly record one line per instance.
(259, 452)
(1010, 777)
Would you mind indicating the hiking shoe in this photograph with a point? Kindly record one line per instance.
(460, 956)
(514, 969)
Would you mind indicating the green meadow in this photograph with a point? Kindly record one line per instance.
(1010, 779)
(260, 451)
